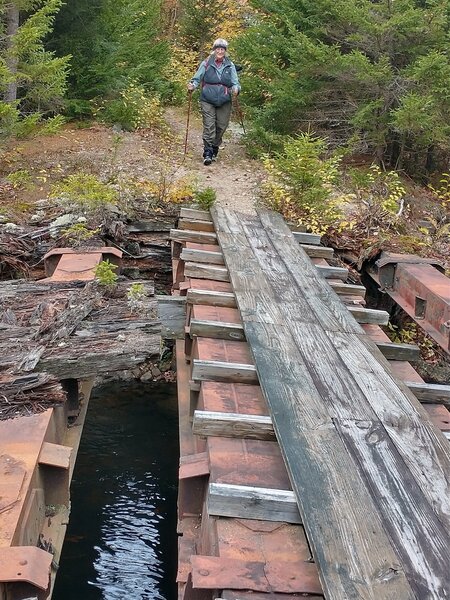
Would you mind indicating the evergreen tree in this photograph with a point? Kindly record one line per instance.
(375, 73)
(113, 43)
(32, 79)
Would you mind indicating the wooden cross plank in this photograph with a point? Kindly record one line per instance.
(369, 315)
(306, 238)
(209, 298)
(217, 330)
(234, 425)
(318, 251)
(247, 502)
(393, 351)
(202, 271)
(194, 213)
(332, 272)
(212, 370)
(184, 235)
(195, 225)
(202, 256)
(430, 392)
(347, 289)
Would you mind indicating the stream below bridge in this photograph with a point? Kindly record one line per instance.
(121, 542)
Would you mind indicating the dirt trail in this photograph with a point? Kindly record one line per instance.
(235, 178)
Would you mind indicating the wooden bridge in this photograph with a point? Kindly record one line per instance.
(308, 465)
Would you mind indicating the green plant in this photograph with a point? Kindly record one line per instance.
(105, 273)
(300, 183)
(21, 178)
(84, 193)
(135, 296)
(205, 198)
(134, 109)
(78, 232)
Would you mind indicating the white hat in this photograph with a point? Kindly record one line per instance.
(220, 43)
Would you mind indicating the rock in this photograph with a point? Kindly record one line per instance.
(156, 372)
(147, 376)
(11, 228)
(37, 217)
(62, 221)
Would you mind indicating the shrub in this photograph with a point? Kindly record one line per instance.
(205, 198)
(300, 183)
(84, 193)
(134, 109)
(105, 273)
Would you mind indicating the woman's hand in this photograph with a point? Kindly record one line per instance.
(191, 87)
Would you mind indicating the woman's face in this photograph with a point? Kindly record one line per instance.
(219, 53)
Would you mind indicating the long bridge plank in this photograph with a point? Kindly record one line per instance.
(371, 530)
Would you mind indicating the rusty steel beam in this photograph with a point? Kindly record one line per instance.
(420, 287)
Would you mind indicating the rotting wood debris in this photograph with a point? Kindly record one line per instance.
(57, 331)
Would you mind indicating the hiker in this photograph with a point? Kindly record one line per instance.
(218, 79)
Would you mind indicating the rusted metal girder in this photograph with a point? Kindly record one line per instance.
(420, 287)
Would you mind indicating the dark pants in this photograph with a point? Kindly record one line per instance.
(215, 122)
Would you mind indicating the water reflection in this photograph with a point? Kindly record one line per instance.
(121, 541)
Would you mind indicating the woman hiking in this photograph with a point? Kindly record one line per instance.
(219, 81)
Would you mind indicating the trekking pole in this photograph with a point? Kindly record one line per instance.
(240, 115)
(187, 124)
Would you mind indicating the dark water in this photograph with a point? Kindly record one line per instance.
(121, 541)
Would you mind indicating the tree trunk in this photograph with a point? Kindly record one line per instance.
(12, 25)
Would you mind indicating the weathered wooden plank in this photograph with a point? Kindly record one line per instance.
(195, 213)
(195, 225)
(393, 351)
(430, 392)
(172, 314)
(216, 329)
(319, 465)
(306, 238)
(234, 425)
(208, 298)
(202, 271)
(212, 370)
(422, 448)
(202, 256)
(184, 235)
(332, 272)
(213, 572)
(293, 278)
(347, 289)
(421, 539)
(318, 251)
(194, 465)
(369, 315)
(247, 502)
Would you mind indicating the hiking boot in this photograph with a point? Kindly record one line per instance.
(208, 156)
(215, 150)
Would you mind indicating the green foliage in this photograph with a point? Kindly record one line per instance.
(377, 73)
(259, 142)
(78, 233)
(113, 43)
(84, 193)
(300, 182)
(105, 273)
(375, 187)
(205, 198)
(21, 179)
(136, 296)
(133, 109)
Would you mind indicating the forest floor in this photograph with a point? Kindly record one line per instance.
(128, 156)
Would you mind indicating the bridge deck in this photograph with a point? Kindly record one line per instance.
(369, 471)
